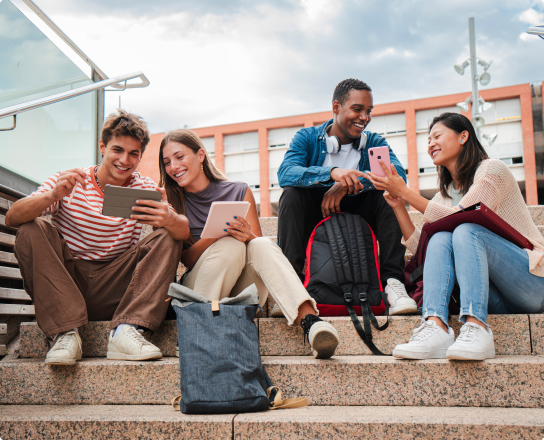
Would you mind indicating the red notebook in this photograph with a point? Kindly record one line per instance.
(483, 216)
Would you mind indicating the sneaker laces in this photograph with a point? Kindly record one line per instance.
(468, 333)
(137, 336)
(422, 332)
(63, 342)
(306, 323)
(399, 290)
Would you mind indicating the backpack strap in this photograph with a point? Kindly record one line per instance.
(363, 261)
(345, 280)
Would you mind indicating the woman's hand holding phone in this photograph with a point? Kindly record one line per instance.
(240, 229)
(392, 182)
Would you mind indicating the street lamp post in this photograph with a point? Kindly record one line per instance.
(478, 104)
(474, 77)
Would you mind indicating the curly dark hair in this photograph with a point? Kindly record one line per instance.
(342, 89)
(472, 154)
(124, 123)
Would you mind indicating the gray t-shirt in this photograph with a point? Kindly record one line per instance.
(456, 196)
(197, 205)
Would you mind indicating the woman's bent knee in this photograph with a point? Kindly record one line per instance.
(232, 249)
(440, 239)
(260, 243)
(465, 232)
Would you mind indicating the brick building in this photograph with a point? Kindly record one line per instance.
(253, 151)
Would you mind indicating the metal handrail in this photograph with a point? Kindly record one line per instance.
(40, 102)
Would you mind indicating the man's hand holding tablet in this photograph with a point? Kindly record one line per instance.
(228, 218)
(149, 207)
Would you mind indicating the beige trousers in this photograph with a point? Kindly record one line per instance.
(229, 266)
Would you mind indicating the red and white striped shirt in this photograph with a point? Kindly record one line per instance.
(89, 234)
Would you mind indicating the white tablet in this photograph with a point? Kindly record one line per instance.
(221, 213)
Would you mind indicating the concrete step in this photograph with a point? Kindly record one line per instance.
(512, 336)
(94, 336)
(341, 423)
(506, 381)
(160, 422)
(269, 225)
(64, 422)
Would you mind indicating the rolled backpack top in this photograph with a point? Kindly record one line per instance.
(342, 273)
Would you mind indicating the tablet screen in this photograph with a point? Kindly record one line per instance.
(221, 213)
(118, 200)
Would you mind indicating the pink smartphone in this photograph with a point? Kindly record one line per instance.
(379, 153)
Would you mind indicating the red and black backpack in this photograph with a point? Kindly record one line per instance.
(342, 273)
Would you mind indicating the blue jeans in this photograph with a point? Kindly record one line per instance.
(492, 274)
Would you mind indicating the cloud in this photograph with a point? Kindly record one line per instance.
(212, 62)
(532, 17)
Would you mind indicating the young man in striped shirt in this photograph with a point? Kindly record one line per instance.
(84, 266)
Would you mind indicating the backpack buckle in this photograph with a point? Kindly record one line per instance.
(362, 297)
(348, 297)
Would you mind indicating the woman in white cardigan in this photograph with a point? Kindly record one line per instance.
(494, 276)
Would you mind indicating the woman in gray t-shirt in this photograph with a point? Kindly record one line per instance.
(223, 267)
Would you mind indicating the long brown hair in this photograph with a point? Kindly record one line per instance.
(174, 192)
(468, 161)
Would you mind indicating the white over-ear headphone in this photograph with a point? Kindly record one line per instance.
(334, 145)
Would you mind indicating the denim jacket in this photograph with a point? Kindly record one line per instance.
(303, 163)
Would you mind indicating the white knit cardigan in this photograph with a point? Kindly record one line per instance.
(496, 187)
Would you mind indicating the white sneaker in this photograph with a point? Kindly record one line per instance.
(130, 345)
(429, 341)
(67, 349)
(474, 343)
(322, 336)
(276, 311)
(399, 301)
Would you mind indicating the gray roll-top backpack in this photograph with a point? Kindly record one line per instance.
(219, 357)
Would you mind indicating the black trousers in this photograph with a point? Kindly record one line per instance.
(299, 211)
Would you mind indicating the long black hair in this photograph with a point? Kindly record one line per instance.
(468, 161)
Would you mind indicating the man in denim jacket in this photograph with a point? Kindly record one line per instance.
(319, 178)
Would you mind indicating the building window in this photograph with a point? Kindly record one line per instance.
(278, 143)
(388, 124)
(242, 158)
(209, 145)
(239, 143)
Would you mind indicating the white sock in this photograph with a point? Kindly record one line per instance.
(119, 328)
(76, 330)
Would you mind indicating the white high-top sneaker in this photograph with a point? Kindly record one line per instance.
(474, 343)
(67, 349)
(399, 301)
(429, 341)
(130, 345)
(322, 336)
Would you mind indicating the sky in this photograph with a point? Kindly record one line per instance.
(214, 62)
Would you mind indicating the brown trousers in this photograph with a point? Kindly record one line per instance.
(69, 292)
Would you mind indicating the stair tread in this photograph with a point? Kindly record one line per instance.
(506, 381)
(512, 336)
(309, 414)
(400, 414)
(116, 422)
(328, 422)
(103, 413)
(357, 359)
